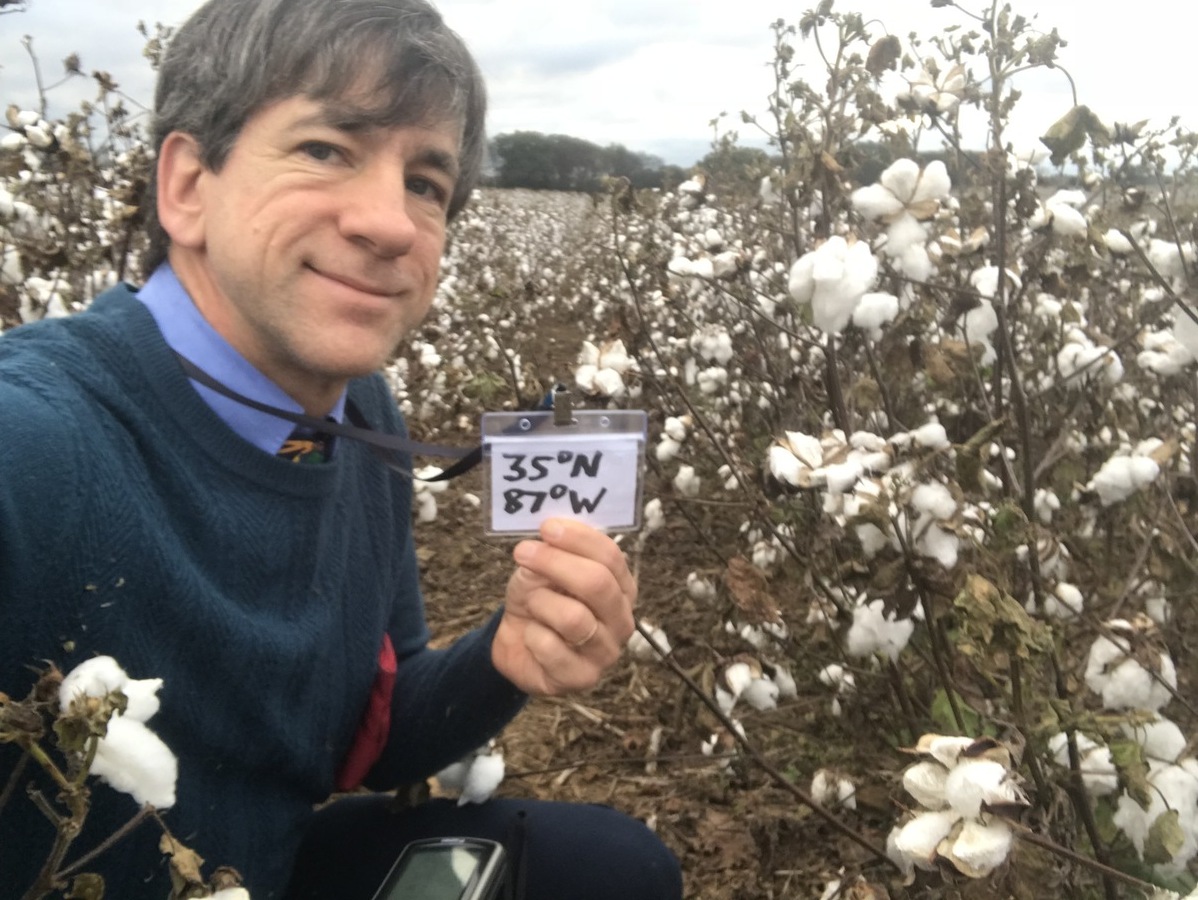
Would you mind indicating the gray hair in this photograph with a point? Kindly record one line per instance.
(233, 57)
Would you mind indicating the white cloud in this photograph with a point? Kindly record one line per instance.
(653, 75)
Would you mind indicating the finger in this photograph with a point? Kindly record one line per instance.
(583, 581)
(575, 624)
(583, 540)
(563, 669)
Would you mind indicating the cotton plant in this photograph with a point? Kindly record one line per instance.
(979, 323)
(476, 776)
(875, 632)
(1061, 212)
(1064, 601)
(602, 369)
(1100, 777)
(1124, 474)
(965, 788)
(1173, 805)
(1163, 354)
(1081, 362)
(832, 279)
(904, 197)
(129, 756)
(934, 90)
(830, 788)
(674, 433)
(1125, 668)
(424, 492)
(841, 681)
(648, 648)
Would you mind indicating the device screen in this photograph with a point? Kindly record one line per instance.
(435, 872)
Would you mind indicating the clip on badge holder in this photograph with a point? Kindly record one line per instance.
(580, 464)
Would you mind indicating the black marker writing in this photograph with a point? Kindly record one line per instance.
(520, 464)
(514, 499)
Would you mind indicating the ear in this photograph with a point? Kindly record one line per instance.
(180, 200)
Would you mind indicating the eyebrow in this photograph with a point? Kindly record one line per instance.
(356, 120)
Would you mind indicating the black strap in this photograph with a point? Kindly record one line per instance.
(379, 442)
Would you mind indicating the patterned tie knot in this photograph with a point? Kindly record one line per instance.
(306, 446)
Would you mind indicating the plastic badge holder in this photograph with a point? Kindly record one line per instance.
(586, 465)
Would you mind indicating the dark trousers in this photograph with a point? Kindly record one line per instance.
(570, 851)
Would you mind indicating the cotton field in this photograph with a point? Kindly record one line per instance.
(918, 548)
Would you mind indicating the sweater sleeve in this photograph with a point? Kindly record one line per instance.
(445, 702)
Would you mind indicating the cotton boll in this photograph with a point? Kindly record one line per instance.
(738, 676)
(873, 632)
(941, 545)
(764, 555)
(134, 760)
(1122, 476)
(1099, 775)
(785, 682)
(1117, 243)
(946, 749)
(652, 518)
(609, 383)
(932, 435)
(96, 677)
(232, 893)
(972, 782)
(675, 427)
(836, 676)
(761, 694)
(1123, 682)
(1174, 787)
(142, 697)
(830, 789)
(876, 201)
(925, 782)
(1161, 739)
(700, 588)
(1067, 221)
(1066, 602)
(918, 839)
(639, 646)
(453, 776)
(980, 848)
(484, 776)
(934, 499)
(686, 482)
(875, 310)
(667, 449)
(843, 476)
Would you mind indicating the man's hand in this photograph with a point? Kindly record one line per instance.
(568, 612)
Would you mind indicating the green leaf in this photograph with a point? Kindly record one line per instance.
(942, 715)
(1165, 838)
(1068, 134)
(87, 886)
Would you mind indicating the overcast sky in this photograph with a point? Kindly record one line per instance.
(651, 74)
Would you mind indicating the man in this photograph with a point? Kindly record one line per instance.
(310, 154)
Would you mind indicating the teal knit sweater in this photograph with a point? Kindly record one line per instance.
(135, 523)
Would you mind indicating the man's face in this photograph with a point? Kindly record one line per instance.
(321, 242)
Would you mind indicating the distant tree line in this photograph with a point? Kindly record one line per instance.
(559, 162)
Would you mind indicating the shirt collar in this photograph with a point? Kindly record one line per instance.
(189, 334)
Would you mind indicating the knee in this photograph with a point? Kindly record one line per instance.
(629, 858)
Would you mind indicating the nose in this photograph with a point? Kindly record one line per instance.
(376, 213)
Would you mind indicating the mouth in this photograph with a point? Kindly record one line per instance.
(356, 284)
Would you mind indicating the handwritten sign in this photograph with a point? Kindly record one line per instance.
(589, 471)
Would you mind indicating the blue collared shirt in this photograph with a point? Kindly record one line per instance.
(188, 333)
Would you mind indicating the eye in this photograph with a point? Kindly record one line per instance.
(430, 189)
(319, 150)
